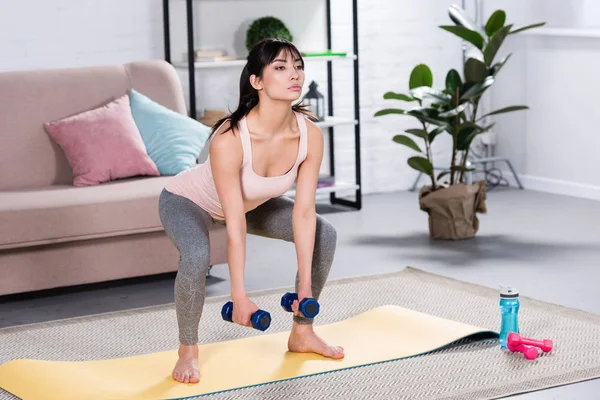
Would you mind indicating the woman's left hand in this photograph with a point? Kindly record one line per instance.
(302, 294)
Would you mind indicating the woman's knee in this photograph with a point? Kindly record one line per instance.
(194, 262)
(327, 233)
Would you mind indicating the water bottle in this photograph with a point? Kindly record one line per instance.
(509, 309)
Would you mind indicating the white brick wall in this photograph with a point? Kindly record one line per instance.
(394, 36)
(65, 33)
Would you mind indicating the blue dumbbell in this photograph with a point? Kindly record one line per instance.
(309, 307)
(261, 319)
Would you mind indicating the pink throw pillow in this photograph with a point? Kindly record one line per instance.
(102, 144)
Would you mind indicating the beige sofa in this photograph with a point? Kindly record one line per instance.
(53, 234)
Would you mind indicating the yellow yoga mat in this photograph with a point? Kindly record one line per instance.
(381, 334)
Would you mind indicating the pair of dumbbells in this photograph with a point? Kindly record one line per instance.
(527, 346)
(261, 319)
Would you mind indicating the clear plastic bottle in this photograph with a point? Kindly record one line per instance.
(509, 310)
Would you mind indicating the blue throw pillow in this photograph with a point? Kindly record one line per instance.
(173, 141)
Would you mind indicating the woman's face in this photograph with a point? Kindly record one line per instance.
(283, 79)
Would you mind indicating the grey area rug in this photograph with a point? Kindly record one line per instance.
(470, 370)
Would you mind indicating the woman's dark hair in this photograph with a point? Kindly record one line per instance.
(261, 55)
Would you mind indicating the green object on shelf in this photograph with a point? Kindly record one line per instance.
(264, 28)
(325, 54)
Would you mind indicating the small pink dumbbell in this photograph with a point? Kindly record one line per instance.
(515, 339)
(530, 353)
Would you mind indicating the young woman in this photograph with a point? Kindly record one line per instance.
(256, 154)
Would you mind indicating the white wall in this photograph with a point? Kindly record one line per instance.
(554, 145)
(71, 33)
(393, 37)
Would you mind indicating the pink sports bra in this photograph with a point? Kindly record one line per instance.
(197, 183)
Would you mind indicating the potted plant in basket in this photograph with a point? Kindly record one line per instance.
(452, 204)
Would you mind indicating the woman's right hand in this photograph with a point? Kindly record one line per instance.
(243, 308)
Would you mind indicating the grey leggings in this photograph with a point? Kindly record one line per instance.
(187, 225)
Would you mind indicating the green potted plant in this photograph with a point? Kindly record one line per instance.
(452, 204)
(264, 28)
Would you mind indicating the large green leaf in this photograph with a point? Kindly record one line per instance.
(405, 140)
(419, 92)
(475, 70)
(421, 164)
(504, 110)
(469, 125)
(423, 110)
(466, 86)
(528, 27)
(495, 22)
(454, 112)
(387, 111)
(453, 81)
(460, 17)
(428, 115)
(465, 137)
(498, 66)
(422, 133)
(420, 76)
(438, 95)
(398, 96)
(436, 132)
(424, 92)
(494, 45)
(478, 88)
(467, 34)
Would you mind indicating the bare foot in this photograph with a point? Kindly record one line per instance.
(186, 369)
(303, 339)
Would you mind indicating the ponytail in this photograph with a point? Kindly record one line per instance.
(248, 100)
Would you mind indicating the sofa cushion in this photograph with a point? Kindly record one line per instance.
(102, 144)
(64, 213)
(173, 140)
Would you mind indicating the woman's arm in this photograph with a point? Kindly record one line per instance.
(304, 216)
(226, 156)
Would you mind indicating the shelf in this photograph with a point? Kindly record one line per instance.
(335, 121)
(242, 62)
(563, 32)
(329, 189)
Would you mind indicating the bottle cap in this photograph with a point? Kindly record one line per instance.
(509, 292)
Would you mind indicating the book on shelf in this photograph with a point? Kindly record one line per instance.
(209, 53)
(210, 56)
(325, 181)
(211, 117)
(215, 59)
